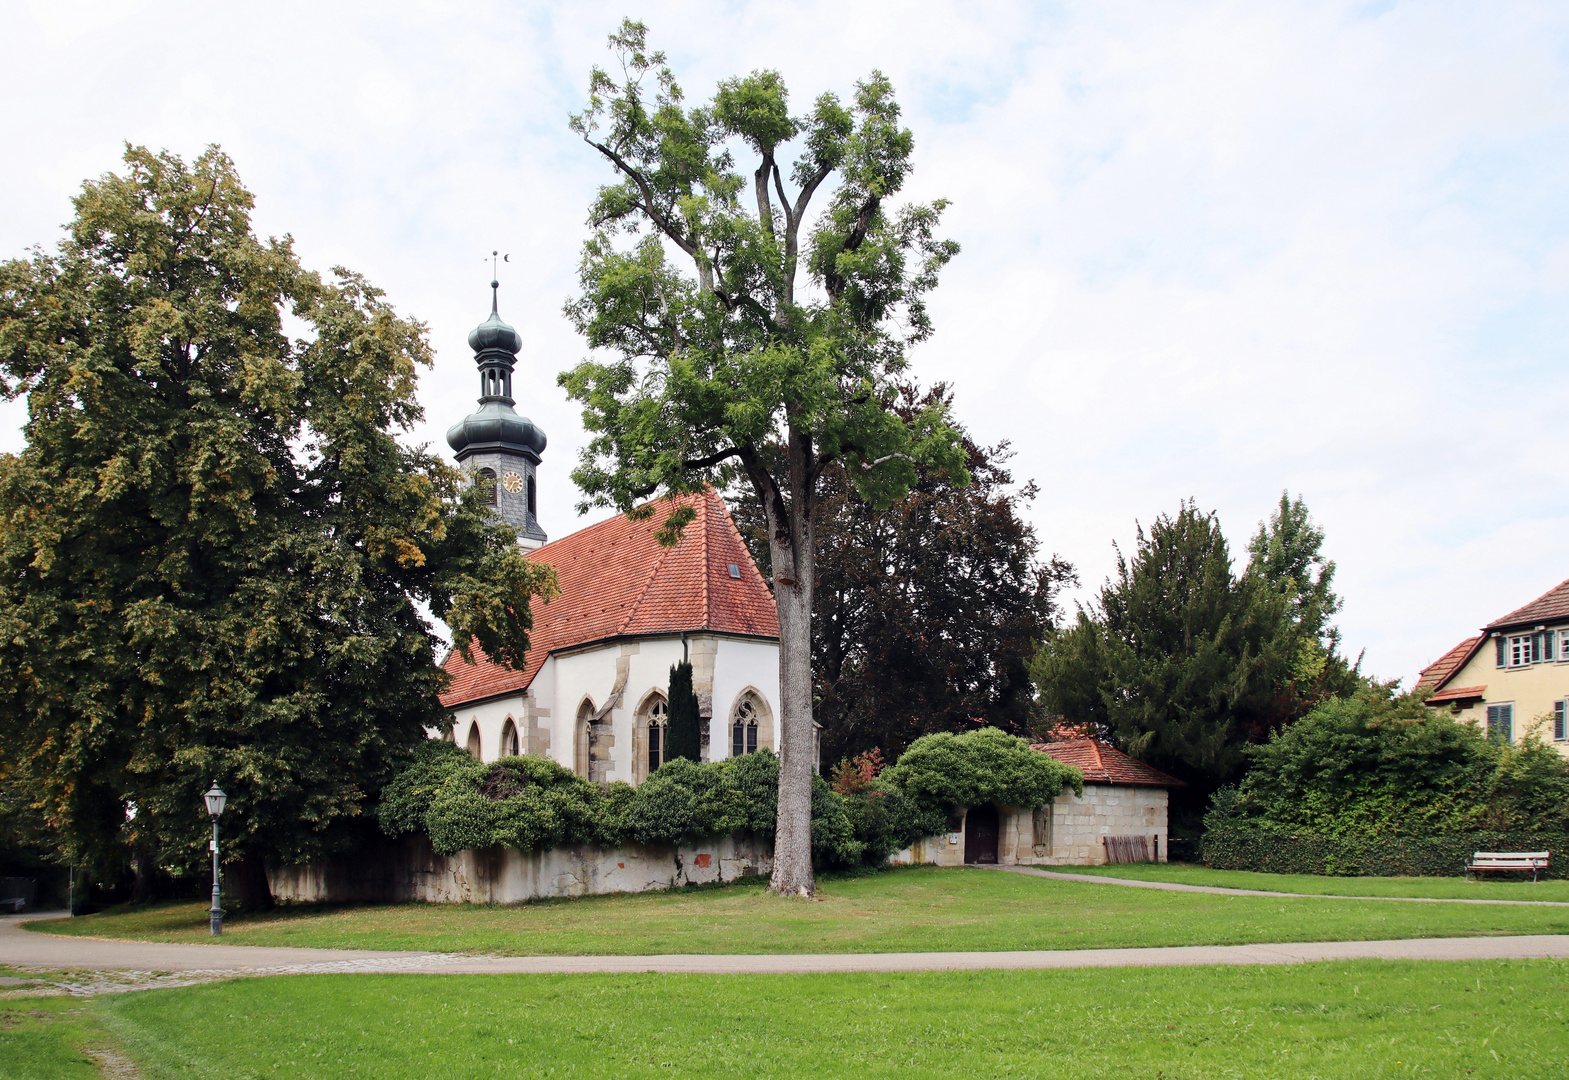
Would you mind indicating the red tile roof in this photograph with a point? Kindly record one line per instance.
(1102, 764)
(1457, 693)
(1553, 604)
(616, 581)
(1440, 669)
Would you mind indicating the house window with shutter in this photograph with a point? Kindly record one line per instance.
(1560, 734)
(1563, 644)
(1521, 651)
(1500, 723)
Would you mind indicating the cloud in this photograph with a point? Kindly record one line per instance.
(1210, 250)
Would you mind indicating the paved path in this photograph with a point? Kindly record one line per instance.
(137, 965)
(1172, 886)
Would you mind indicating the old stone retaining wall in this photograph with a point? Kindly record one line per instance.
(407, 869)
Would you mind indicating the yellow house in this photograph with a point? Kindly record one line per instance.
(1512, 675)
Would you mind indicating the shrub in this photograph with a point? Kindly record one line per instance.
(835, 845)
(406, 797)
(1373, 856)
(1376, 765)
(530, 803)
(943, 772)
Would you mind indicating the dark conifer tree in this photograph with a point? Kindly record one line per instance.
(683, 725)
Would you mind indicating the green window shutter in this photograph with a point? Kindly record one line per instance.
(1547, 644)
(1500, 645)
(1558, 721)
(1500, 723)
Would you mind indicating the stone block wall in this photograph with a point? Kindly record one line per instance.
(408, 870)
(1066, 832)
(1076, 825)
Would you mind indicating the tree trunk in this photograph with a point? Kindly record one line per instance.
(795, 574)
(793, 841)
(246, 881)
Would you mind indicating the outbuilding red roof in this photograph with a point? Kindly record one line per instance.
(1102, 764)
(1440, 669)
(617, 582)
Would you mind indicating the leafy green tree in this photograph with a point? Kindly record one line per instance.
(683, 721)
(740, 367)
(1181, 662)
(927, 611)
(214, 545)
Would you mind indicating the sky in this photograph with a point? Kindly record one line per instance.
(1210, 250)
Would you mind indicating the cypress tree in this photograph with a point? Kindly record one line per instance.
(683, 734)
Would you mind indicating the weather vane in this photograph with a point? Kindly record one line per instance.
(495, 258)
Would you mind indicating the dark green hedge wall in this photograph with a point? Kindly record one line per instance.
(1431, 856)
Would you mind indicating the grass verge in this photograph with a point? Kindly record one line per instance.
(51, 1038)
(918, 909)
(1443, 888)
(1365, 1019)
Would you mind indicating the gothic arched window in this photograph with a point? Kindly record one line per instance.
(473, 745)
(487, 477)
(531, 511)
(743, 729)
(649, 732)
(656, 734)
(509, 740)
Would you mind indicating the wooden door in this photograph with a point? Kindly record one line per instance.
(980, 834)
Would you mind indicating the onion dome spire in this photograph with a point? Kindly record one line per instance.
(495, 426)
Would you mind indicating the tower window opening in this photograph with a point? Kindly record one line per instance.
(531, 511)
(487, 478)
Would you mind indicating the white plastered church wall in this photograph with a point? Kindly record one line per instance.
(741, 666)
(566, 681)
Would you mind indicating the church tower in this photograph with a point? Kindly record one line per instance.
(497, 446)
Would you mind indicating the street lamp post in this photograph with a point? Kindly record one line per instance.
(215, 800)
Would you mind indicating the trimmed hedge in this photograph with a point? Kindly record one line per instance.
(1388, 856)
(534, 804)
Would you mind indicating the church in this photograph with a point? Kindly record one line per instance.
(592, 694)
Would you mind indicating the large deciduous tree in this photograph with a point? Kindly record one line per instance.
(744, 337)
(927, 611)
(213, 546)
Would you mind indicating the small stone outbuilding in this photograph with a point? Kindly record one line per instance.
(1122, 817)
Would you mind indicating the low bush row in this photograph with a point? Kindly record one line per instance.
(1385, 856)
(533, 803)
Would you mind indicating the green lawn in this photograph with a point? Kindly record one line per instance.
(1443, 887)
(45, 1038)
(1474, 1021)
(919, 909)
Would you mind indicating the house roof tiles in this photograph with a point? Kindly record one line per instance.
(1102, 764)
(1457, 693)
(1440, 669)
(1551, 605)
(617, 581)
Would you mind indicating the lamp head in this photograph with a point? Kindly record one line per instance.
(215, 800)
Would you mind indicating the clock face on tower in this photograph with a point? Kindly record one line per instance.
(512, 482)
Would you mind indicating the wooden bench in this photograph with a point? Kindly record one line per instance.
(1534, 861)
